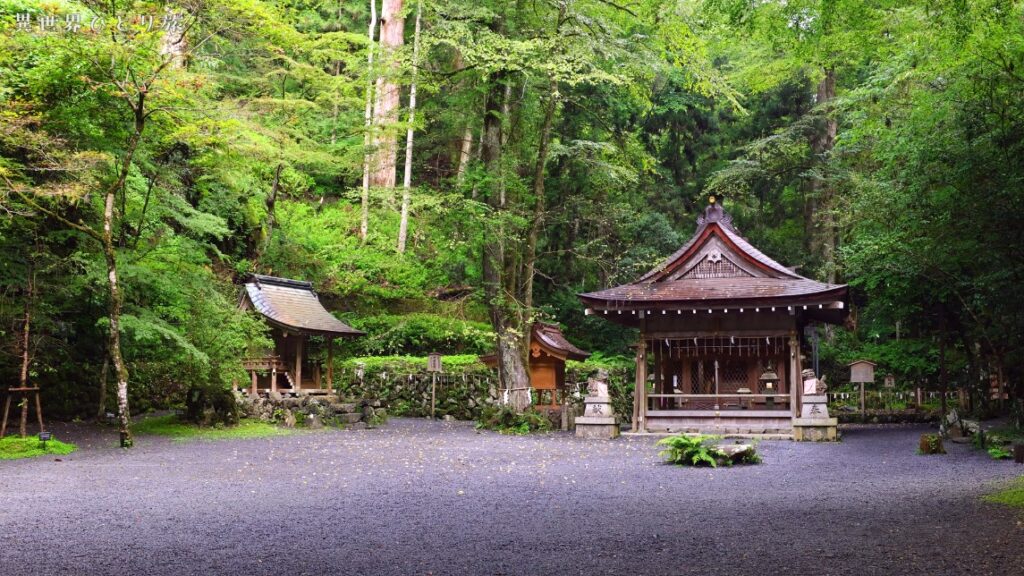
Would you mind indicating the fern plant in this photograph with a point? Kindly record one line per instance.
(692, 450)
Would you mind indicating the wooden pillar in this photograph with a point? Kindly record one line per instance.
(642, 378)
(794, 373)
(253, 390)
(330, 364)
(298, 363)
(638, 385)
(273, 376)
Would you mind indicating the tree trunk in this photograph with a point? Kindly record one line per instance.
(385, 115)
(101, 410)
(820, 233)
(465, 152)
(25, 346)
(364, 224)
(466, 142)
(538, 192)
(403, 228)
(943, 375)
(271, 219)
(506, 318)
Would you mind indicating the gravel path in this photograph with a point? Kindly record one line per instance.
(421, 497)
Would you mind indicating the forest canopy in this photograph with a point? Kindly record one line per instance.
(446, 172)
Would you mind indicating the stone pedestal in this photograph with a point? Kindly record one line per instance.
(598, 420)
(814, 424)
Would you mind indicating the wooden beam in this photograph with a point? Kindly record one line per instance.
(330, 364)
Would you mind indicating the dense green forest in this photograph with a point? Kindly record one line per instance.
(153, 154)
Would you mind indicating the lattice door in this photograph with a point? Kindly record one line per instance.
(732, 375)
(702, 374)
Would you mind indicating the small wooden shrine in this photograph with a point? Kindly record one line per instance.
(549, 349)
(295, 314)
(720, 325)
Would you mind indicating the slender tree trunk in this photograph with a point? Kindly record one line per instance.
(820, 233)
(26, 346)
(271, 218)
(505, 317)
(385, 115)
(465, 152)
(334, 113)
(116, 299)
(142, 216)
(403, 228)
(538, 192)
(466, 143)
(364, 224)
(943, 374)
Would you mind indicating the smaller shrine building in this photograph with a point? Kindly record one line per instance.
(299, 324)
(549, 349)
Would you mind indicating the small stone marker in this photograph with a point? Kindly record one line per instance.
(598, 420)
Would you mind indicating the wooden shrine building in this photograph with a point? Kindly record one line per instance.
(720, 325)
(549, 350)
(295, 315)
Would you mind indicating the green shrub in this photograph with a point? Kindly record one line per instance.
(419, 334)
(999, 453)
(505, 420)
(692, 450)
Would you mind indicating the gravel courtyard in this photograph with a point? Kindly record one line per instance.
(420, 497)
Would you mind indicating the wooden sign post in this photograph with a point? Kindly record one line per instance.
(862, 371)
(433, 366)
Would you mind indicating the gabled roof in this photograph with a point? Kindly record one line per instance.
(549, 338)
(293, 305)
(717, 267)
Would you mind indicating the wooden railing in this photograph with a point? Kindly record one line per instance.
(718, 402)
(267, 363)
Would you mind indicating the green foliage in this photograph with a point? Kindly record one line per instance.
(13, 447)
(931, 444)
(174, 427)
(692, 450)
(999, 453)
(420, 334)
(505, 420)
(1012, 495)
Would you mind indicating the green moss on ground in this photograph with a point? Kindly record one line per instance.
(13, 447)
(1013, 495)
(172, 426)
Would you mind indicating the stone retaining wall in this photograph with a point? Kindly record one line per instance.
(311, 411)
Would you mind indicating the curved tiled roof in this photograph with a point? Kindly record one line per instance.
(293, 305)
(550, 336)
(755, 278)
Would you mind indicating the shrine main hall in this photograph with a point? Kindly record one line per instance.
(720, 334)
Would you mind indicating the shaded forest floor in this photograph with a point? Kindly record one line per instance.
(420, 497)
